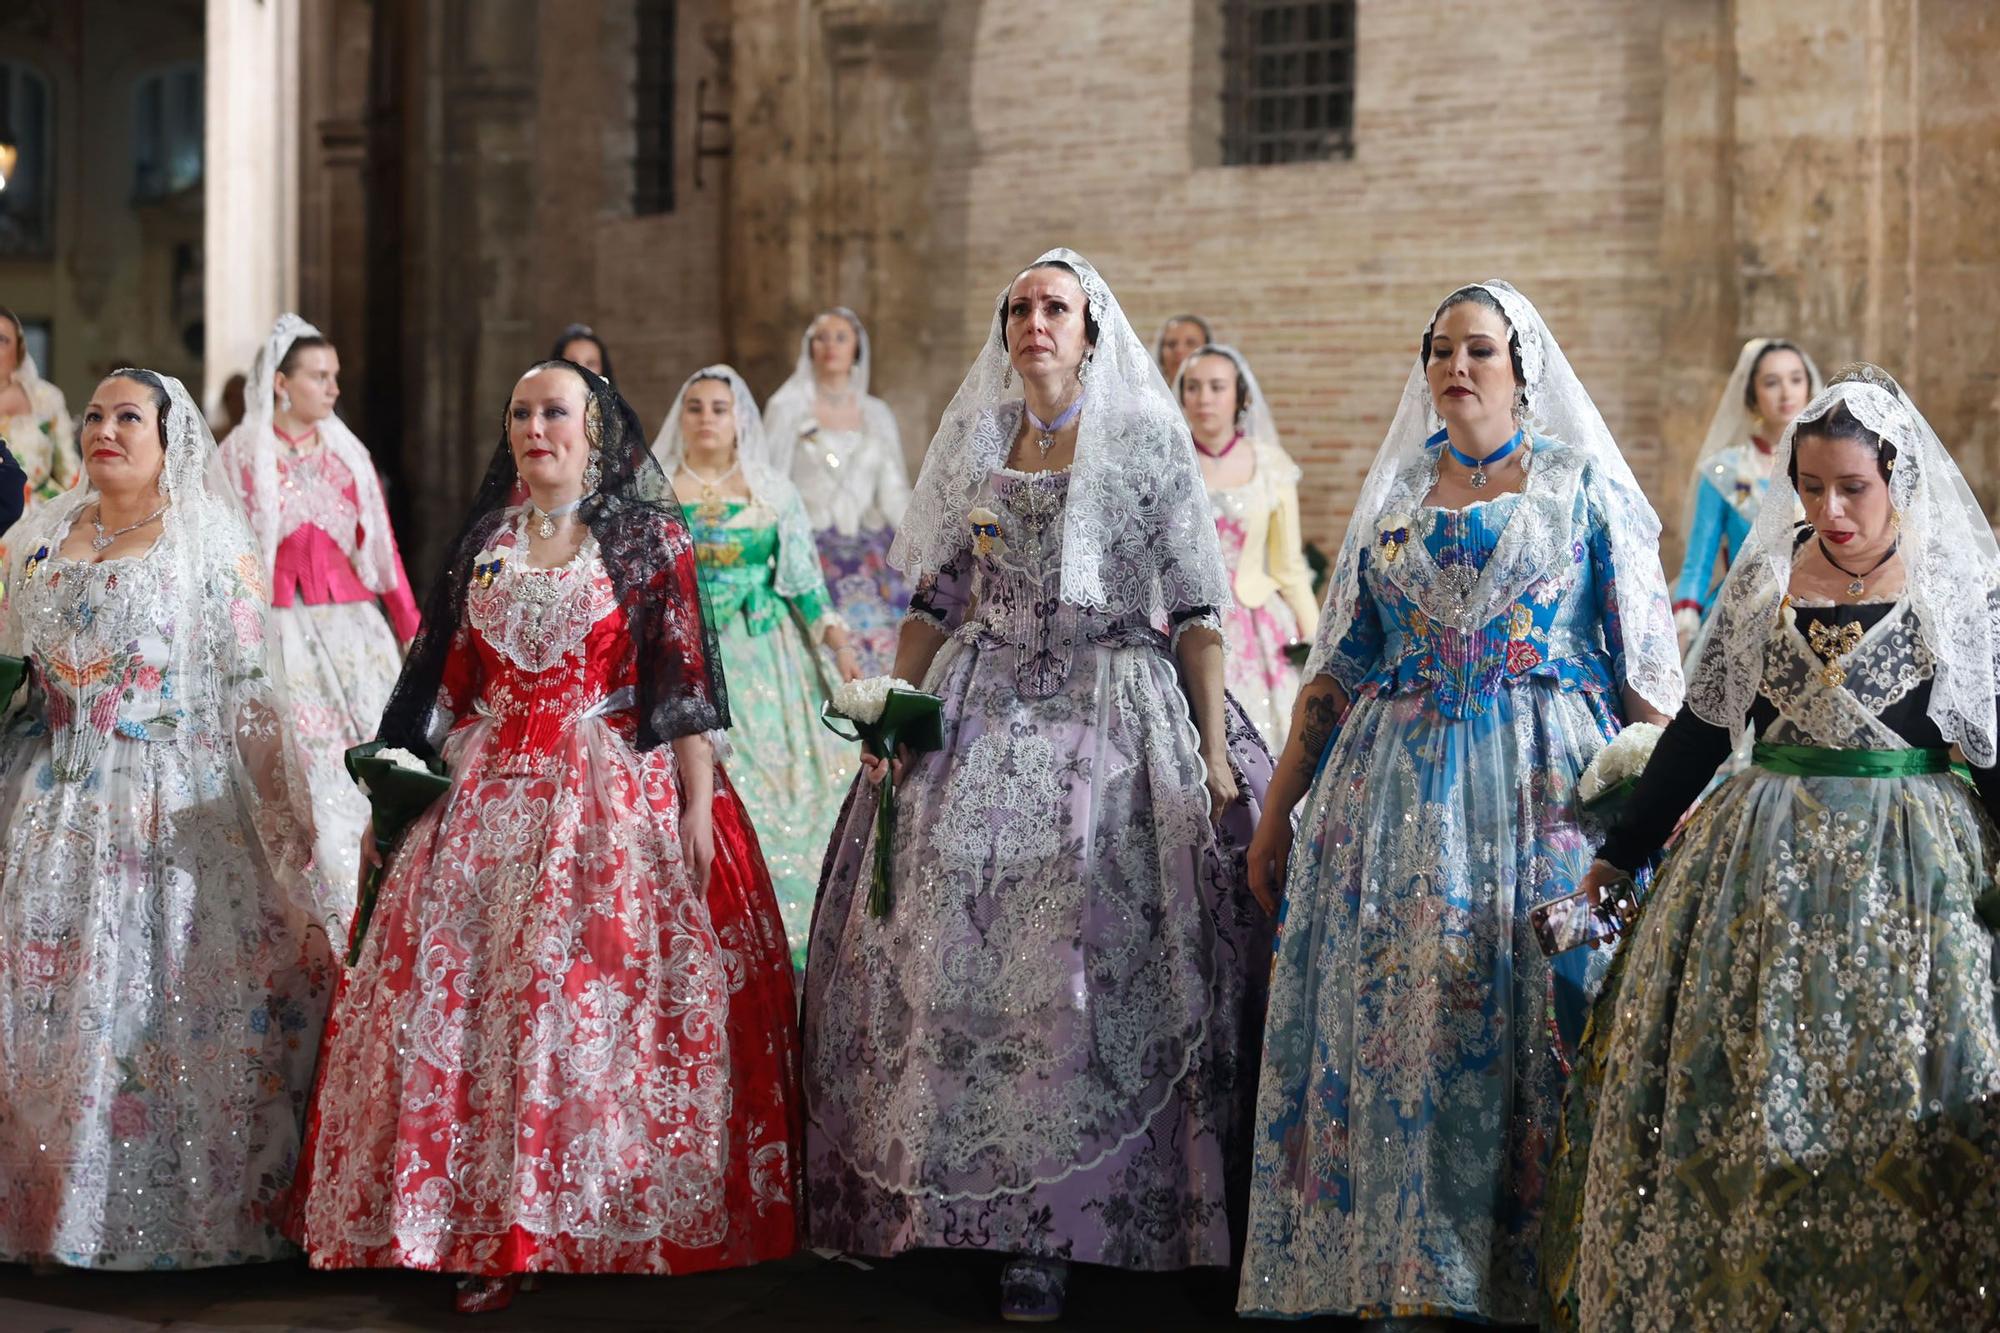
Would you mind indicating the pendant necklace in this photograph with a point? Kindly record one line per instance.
(312, 435)
(546, 527)
(709, 504)
(1045, 438)
(102, 541)
(1478, 466)
(1857, 583)
(1223, 452)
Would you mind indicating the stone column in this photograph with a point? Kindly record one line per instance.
(251, 176)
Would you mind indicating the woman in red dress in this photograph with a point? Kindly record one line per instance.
(569, 1043)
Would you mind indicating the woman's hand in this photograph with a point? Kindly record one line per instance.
(1270, 851)
(698, 842)
(847, 662)
(371, 859)
(1222, 788)
(875, 766)
(1602, 876)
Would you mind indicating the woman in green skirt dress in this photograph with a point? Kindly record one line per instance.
(1789, 1106)
(775, 621)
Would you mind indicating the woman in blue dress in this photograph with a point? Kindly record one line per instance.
(1496, 615)
(1773, 380)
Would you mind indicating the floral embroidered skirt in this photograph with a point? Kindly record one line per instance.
(1047, 1044)
(1788, 1109)
(867, 592)
(791, 772)
(1260, 676)
(554, 1053)
(160, 1008)
(1412, 1071)
(341, 662)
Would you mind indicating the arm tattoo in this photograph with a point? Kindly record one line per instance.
(1321, 719)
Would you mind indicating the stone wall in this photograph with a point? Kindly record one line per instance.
(108, 285)
(1663, 181)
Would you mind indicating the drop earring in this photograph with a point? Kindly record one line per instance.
(284, 401)
(592, 474)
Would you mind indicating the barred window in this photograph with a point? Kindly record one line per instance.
(25, 187)
(1288, 89)
(653, 151)
(166, 133)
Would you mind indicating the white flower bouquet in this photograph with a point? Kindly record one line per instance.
(1609, 780)
(882, 713)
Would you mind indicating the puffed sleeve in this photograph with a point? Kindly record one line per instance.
(1704, 543)
(1286, 555)
(1360, 649)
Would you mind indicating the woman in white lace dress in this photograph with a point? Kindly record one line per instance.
(162, 976)
(342, 607)
(839, 445)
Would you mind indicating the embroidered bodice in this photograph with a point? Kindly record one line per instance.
(44, 442)
(1557, 627)
(1006, 586)
(99, 644)
(1865, 686)
(852, 479)
(737, 549)
(317, 490)
(541, 650)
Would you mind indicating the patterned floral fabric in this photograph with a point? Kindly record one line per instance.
(1727, 498)
(1046, 1046)
(340, 656)
(1259, 675)
(555, 1054)
(43, 440)
(790, 770)
(1413, 1059)
(1790, 1099)
(867, 591)
(160, 992)
(855, 485)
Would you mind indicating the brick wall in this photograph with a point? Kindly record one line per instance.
(1518, 140)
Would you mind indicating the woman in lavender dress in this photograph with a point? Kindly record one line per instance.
(1045, 1047)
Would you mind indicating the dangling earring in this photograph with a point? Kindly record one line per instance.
(1007, 377)
(592, 474)
(284, 401)
(1083, 366)
(1242, 420)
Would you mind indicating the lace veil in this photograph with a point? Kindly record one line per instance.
(644, 542)
(1134, 460)
(251, 454)
(1257, 424)
(1573, 446)
(228, 678)
(1949, 556)
(1730, 426)
(798, 571)
(788, 415)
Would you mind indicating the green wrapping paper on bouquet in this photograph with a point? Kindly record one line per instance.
(13, 673)
(397, 793)
(907, 717)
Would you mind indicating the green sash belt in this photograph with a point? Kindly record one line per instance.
(1810, 761)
